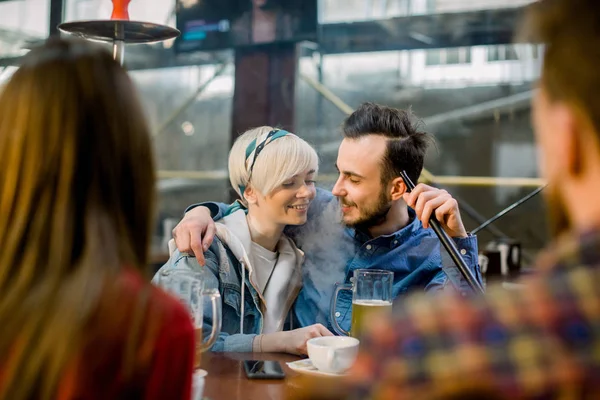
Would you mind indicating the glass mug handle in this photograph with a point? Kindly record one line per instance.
(336, 327)
(215, 299)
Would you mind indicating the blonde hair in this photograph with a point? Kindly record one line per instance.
(279, 161)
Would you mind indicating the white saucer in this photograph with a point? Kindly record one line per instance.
(306, 367)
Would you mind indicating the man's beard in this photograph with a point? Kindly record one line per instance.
(374, 215)
(558, 219)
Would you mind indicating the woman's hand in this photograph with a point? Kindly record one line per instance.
(293, 342)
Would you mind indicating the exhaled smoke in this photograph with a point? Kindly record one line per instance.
(328, 249)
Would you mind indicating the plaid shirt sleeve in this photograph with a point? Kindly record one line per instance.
(514, 344)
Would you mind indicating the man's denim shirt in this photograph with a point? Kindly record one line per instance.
(333, 252)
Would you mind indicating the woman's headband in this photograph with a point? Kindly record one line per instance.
(253, 150)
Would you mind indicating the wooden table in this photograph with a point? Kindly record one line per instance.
(226, 379)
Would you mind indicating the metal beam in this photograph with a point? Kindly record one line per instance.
(484, 27)
(190, 100)
(327, 94)
(504, 104)
(509, 103)
(479, 181)
(177, 184)
(11, 61)
(141, 57)
(15, 36)
(471, 28)
(56, 16)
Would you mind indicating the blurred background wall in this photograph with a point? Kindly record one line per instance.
(452, 61)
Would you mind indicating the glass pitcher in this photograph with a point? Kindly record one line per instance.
(188, 286)
(371, 295)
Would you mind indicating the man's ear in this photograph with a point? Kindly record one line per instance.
(398, 188)
(250, 195)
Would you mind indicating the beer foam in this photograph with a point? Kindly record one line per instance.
(372, 303)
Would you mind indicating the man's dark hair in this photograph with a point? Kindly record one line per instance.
(406, 145)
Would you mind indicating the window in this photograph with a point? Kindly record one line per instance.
(431, 6)
(434, 57)
(502, 53)
(455, 55)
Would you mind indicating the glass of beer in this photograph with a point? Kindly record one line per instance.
(371, 295)
(188, 286)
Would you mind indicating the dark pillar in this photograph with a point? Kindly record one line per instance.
(264, 94)
(56, 16)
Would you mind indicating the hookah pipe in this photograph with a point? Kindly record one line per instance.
(120, 13)
(508, 209)
(119, 30)
(120, 9)
(448, 244)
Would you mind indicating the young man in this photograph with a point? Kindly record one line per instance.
(543, 341)
(379, 230)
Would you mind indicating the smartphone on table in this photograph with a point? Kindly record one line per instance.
(257, 369)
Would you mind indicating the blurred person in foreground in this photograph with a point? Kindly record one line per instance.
(255, 266)
(78, 318)
(542, 342)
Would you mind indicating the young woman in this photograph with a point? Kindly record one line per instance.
(255, 266)
(78, 319)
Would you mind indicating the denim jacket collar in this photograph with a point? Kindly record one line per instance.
(393, 239)
(234, 233)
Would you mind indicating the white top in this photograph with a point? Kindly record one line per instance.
(263, 261)
(279, 274)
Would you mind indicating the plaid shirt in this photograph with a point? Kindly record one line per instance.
(539, 342)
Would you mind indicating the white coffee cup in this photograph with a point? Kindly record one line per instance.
(332, 354)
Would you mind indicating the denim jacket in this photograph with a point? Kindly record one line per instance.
(334, 251)
(227, 265)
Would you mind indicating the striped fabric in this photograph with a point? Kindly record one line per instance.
(253, 150)
(540, 342)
